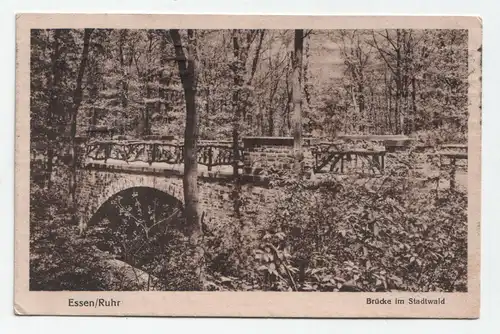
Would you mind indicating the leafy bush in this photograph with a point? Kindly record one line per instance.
(59, 260)
(445, 135)
(359, 235)
(230, 243)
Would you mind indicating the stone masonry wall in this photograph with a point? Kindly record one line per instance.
(217, 197)
(264, 153)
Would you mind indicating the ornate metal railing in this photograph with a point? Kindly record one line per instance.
(209, 154)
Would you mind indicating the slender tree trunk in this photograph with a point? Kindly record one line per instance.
(399, 84)
(298, 167)
(418, 118)
(162, 80)
(357, 112)
(393, 122)
(146, 130)
(188, 77)
(305, 87)
(270, 116)
(270, 121)
(237, 82)
(124, 78)
(288, 106)
(255, 61)
(93, 121)
(297, 100)
(146, 127)
(362, 111)
(260, 121)
(53, 80)
(372, 115)
(77, 100)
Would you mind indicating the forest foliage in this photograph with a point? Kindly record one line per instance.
(354, 81)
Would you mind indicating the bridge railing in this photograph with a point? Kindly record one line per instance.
(333, 157)
(327, 156)
(209, 154)
(339, 157)
(450, 162)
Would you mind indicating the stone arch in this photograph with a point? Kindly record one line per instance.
(139, 234)
(142, 191)
(147, 213)
(102, 191)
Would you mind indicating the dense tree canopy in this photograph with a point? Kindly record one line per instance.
(355, 81)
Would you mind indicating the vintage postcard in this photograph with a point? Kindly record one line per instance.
(248, 166)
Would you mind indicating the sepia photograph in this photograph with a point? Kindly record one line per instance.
(251, 160)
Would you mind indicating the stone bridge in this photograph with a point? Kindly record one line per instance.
(108, 168)
(99, 182)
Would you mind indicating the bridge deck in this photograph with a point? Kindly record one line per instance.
(164, 169)
(158, 167)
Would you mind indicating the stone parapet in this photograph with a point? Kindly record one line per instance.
(263, 154)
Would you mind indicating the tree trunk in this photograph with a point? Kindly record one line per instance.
(288, 105)
(53, 83)
(297, 119)
(399, 84)
(255, 60)
(386, 118)
(305, 87)
(270, 117)
(190, 179)
(297, 101)
(418, 118)
(146, 128)
(361, 99)
(255, 63)
(162, 80)
(77, 100)
(146, 124)
(237, 81)
(124, 78)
